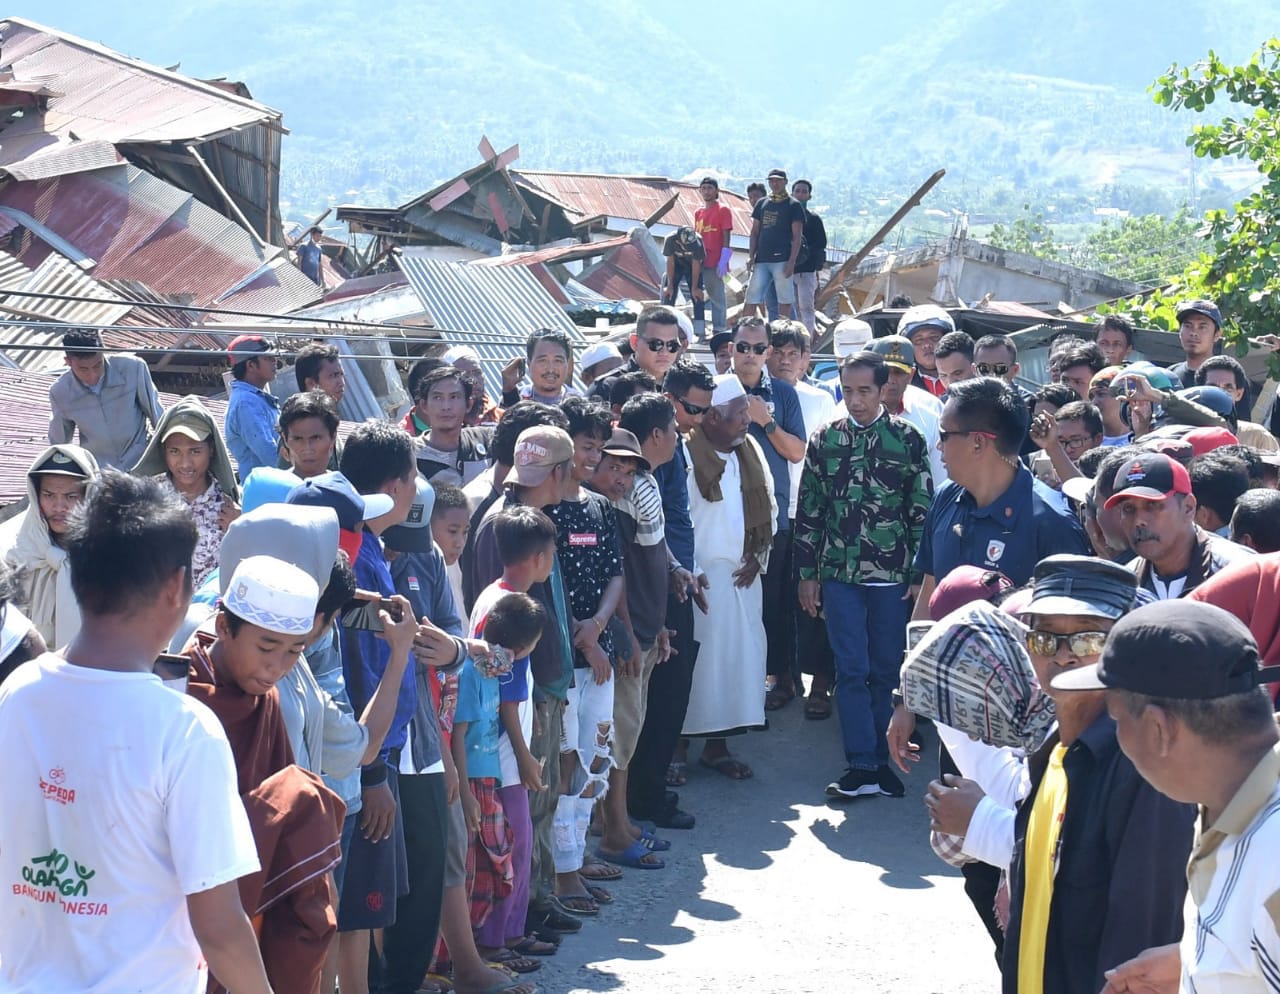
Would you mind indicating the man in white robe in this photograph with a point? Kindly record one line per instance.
(733, 511)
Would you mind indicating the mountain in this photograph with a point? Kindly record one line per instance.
(1019, 101)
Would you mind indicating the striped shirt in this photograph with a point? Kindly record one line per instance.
(1231, 937)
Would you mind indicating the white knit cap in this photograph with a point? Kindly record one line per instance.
(728, 388)
(274, 595)
(850, 336)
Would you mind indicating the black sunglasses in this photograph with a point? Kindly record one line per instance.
(658, 344)
(994, 368)
(744, 347)
(693, 410)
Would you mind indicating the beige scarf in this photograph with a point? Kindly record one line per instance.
(757, 485)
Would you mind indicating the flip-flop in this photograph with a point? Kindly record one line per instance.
(652, 842)
(509, 959)
(599, 894)
(727, 766)
(633, 856)
(579, 904)
(531, 945)
(677, 774)
(600, 870)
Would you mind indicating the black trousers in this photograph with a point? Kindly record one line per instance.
(407, 946)
(813, 649)
(780, 606)
(664, 716)
(981, 880)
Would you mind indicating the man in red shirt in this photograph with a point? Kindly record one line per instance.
(714, 222)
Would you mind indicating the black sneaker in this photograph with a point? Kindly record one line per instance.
(890, 785)
(855, 783)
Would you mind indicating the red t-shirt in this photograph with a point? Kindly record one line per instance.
(713, 223)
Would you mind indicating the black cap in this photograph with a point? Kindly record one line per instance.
(710, 180)
(1181, 650)
(1082, 585)
(718, 339)
(777, 174)
(1206, 307)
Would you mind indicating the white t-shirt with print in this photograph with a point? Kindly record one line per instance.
(120, 799)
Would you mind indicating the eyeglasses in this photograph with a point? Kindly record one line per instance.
(658, 344)
(1043, 643)
(944, 435)
(994, 368)
(742, 348)
(693, 410)
(1076, 441)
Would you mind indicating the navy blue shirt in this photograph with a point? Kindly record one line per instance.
(673, 483)
(784, 405)
(1011, 534)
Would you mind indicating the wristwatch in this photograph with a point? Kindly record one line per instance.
(896, 697)
(770, 427)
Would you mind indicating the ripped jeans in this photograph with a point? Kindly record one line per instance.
(588, 735)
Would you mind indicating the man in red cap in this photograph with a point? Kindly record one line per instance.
(252, 413)
(1157, 513)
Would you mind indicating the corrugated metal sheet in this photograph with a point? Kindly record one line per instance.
(497, 305)
(12, 272)
(631, 197)
(557, 253)
(137, 227)
(24, 411)
(625, 273)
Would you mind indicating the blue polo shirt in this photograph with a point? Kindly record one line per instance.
(1011, 534)
(784, 405)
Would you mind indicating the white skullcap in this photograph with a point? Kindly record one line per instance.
(599, 353)
(274, 595)
(14, 626)
(851, 334)
(456, 352)
(728, 387)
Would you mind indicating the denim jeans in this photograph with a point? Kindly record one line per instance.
(766, 276)
(867, 627)
(714, 285)
(806, 285)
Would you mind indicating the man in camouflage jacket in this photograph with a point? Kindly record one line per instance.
(864, 494)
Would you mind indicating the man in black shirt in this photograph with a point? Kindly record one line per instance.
(815, 255)
(777, 233)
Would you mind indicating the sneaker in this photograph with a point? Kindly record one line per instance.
(890, 785)
(855, 783)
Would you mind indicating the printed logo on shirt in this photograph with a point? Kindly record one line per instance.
(53, 789)
(413, 583)
(588, 539)
(373, 900)
(56, 877)
(995, 549)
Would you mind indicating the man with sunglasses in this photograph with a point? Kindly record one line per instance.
(777, 425)
(997, 355)
(655, 346)
(253, 415)
(1097, 874)
(1157, 512)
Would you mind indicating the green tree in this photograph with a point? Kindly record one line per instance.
(1147, 249)
(1028, 233)
(1240, 265)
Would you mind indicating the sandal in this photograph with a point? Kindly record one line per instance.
(778, 697)
(436, 983)
(579, 904)
(635, 856)
(652, 842)
(677, 774)
(509, 959)
(727, 766)
(817, 707)
(598, 869)
(599, 894)
(531, 945)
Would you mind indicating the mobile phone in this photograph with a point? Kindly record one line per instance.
(362, 613)
(172, 670)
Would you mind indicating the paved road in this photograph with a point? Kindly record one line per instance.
(777, 890)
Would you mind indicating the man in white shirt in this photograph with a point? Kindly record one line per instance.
(123, 834)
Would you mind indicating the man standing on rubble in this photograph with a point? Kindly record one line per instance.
(777, 232)
(714, 223)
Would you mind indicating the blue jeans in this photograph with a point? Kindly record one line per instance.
(766, 276)
(867, 628)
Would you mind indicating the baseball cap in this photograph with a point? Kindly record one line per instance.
(850, 335)
(414, 535)
(1204, 440)
(895, 350)
(719, 340)
(1181, 649)
(924, 316)
(777, 174)
(1150, 476)
(624, 443)
(538, 451)
(247, 346)
(964, 585)
(1206, 307)
(335, 490)
(1081, 585)
(1176, 448)
(1214, 398)
(1078, 488)
(709, 179)
(274, 595)
(599, 353)
(196, 428)
(58, 463)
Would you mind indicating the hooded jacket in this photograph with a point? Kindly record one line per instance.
(207, 508)
(44, 574)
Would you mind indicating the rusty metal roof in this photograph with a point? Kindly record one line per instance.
(556, 253)
(128, 225)
(592, 195)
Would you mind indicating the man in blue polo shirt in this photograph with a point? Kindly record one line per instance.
(777, 425)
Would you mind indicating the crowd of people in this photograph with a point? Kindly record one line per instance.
(389, 713)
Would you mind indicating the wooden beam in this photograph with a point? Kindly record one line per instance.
(661, 212)
(449, 194)
(485, 149)
(842, 275)
(226, 197)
